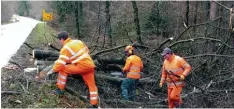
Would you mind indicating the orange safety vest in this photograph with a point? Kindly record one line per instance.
(73, 52)
(178, 66)
(133, 67)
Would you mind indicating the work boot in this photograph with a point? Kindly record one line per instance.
(177, 104)
(125, 98)
(93, 106)
(59, 92)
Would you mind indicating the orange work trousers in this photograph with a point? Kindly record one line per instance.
(174, 98)
(87, 75)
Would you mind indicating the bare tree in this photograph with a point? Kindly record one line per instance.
(108, 22)
(77, 16)
(187, 13)
(137, 23)
(213, 10)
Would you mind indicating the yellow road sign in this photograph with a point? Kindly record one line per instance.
(46, 16)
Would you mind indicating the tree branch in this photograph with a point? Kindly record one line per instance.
(53, 47)
(107, 50)
(10, 92)
(193, 39)
(201, 55)
(196, 25)
(28, 45)
(222, 5)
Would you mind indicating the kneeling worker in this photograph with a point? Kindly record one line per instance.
(74, 58)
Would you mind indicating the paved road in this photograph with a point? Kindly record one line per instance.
(13, 36)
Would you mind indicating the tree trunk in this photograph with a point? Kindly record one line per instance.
(187, 13)
(99, 20)
(81, 18)
(119, 79)
(103, 64)
(45, 55)
(213, 10)
(195, 16)
(77, 18)
(108, 22)
(41, 63)
(158, 22)
(136, 20)
(81, 13)
(207, 5)
(26, 8)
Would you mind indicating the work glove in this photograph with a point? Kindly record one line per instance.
(160, 85)
(40, 76)
(182, 77)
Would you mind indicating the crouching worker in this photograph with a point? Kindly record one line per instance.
(174, 71)
(74, 58)
(133, 67)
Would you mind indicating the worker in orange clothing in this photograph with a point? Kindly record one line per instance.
(74, 58)
(133, 68)
(174, 65)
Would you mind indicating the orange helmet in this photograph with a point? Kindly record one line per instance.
(129, 49)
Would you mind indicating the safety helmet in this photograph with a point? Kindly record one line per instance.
(129, 49)
(62, 35)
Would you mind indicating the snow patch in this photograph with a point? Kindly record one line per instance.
(13, 36)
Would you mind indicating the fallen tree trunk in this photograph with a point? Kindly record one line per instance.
(43, 73)
(42, 63)
(108, 67)
(10, 92)
(103, 64)
(119, 61)
(118, 79)
(45, 55)
(52, 56)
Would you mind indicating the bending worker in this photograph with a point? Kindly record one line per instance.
(74, 58)
(133, 67)
(174, 71)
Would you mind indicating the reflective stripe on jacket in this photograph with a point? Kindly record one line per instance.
(73, 52)
(178, 66)
(133, 67)
(178, 84)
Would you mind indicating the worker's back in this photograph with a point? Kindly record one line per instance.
(79, 53)
(135, 67)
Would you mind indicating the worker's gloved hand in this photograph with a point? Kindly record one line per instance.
(123, 74)
(160, 85)
(182, 77)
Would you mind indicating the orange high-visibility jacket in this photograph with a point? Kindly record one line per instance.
(133, 67)
(178, 66)
(73, 52)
